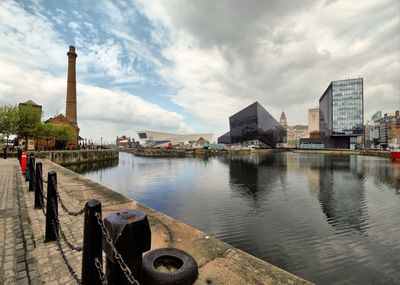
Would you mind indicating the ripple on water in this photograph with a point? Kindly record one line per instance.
(330, 219)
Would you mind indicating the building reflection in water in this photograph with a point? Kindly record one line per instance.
(329, 219)
(381, 171)
(255, 177)
(342, 193)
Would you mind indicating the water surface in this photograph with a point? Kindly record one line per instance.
(329, 219)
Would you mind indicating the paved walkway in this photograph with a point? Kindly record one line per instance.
(17, 263)
(24, 256)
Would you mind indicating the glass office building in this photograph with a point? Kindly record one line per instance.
(342, 113)
(254, 126)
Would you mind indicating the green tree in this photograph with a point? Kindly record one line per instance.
(28, 122)
(8, 120)
(47, 131)
(63, 134)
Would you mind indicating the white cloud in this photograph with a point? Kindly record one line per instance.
(228, 54)
(101, 112)
(73, 25)
(28, 40)
(215, 57)
(33, 66)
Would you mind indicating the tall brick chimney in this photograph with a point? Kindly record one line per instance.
(70, 110)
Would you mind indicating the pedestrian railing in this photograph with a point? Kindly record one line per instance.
(124, 236)
(94, 232)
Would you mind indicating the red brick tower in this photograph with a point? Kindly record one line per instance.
(70, 110)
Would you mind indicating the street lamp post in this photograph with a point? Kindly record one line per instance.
(101, 143)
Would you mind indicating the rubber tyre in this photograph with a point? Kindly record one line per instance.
(185, 275)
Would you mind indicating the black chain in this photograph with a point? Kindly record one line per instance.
(69, 212)
(125, 269)
(70, 269)
(99, 267)
(70, 245)
(43, 195)
(42, 208)
(41, 188)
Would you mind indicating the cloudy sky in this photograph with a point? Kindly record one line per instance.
(186, 66)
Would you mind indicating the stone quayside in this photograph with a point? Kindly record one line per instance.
(26, 259)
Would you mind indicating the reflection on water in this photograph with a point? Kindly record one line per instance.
(341, 193)
(330, 219)
(99, 166)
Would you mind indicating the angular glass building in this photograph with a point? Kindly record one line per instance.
(255, 126)
(342, 113)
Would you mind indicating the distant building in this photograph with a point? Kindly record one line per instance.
(32, 142)
(377, 116)
(70, 118)
(254, 126)
(295, 133)
(32, 104)
(371, 131)
(283, 120)
(123, 141)
(342, 114)
(225, 138)
(389, 131)
(160, 139)
(313, 120)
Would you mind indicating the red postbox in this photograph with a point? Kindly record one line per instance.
(23, 162)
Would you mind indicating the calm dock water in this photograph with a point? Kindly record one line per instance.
(330, 219)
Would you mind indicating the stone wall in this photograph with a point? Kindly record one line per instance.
(163, 152)
(82, 156)
(345, 152)
(67, 157)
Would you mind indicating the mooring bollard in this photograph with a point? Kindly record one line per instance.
(5, 152)
(39, 202)
(28, 167)
(130, 231)
(92, 243)
(19, 155)
(51, 207)
(32, 178)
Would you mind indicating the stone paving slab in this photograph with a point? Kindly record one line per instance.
(17, 261)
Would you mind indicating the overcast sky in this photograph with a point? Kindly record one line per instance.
(186, 66)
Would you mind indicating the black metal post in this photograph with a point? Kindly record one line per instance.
(5, 152)
(19, 154)
(52, 207)
(32, 178)
(131, 234)
(92, 244)
(39, 202)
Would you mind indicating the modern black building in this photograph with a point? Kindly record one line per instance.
(342, 114)
(254, 126)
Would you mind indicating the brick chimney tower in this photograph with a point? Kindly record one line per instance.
(70, 110)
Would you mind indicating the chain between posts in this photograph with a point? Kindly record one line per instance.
(70, 245)
(42, 192)
(125, 269)
(99, 267)
(69, 212)
(44, 212)
(70, 269)
(43, 195)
